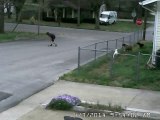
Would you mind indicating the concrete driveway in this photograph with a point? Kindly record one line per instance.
(28, 66)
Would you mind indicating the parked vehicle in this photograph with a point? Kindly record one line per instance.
(108, 17)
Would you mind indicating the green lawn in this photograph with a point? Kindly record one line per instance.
(122, 72)
(7, 37)
(118, 27)
(12, 36)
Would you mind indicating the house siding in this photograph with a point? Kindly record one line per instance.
(157, 38)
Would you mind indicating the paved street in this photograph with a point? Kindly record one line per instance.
(27, 67)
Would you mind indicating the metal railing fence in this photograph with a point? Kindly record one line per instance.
(93, 51)
(136, 69)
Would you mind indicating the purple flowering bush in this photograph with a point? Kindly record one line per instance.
(64, 102)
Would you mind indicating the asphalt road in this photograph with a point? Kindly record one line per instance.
(28, 66)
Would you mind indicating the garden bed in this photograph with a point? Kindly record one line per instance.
(84, 109)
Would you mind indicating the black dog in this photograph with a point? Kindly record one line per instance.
(141, 45)
(127, 47)
(52, 38)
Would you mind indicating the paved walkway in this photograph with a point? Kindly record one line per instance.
(129, 98)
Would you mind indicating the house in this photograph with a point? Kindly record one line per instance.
(12, 8)
(68, 8)
(156, 39)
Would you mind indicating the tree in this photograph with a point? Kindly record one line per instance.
(1, 16)
(95, 6)
(18, 7)
(35, 1)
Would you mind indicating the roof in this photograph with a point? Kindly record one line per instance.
(107, 12)
(145, 2)
(70, 4)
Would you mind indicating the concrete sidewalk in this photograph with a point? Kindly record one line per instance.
(42, 114)
(133, 99)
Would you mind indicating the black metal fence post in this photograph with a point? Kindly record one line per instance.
(138, 36)
(79, 57)
(107, 47)
(116, 43)
(130, 37)
(95, 53)
(137, 66)
(141, 34)
(134, 37)
(111, 65)
(123, 41)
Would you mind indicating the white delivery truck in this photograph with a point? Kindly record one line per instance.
(108, 17)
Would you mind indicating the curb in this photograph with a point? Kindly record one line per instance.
(128, 112)
(88, 112)
(147, 114)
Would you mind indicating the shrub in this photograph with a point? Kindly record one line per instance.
(60, 105)
(32, 20)
(88, 20)
(69, 20)
(64, 102)
(27, 14)
(49, 19)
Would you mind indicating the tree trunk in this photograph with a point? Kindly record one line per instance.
(8, 5)
(97, 20)
(59, 16)
(1, 16)
(16, 16)
(18, 6)
(79, 14)
(55, 14)
(9, 13)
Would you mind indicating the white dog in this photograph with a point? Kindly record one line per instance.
(115, 53)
